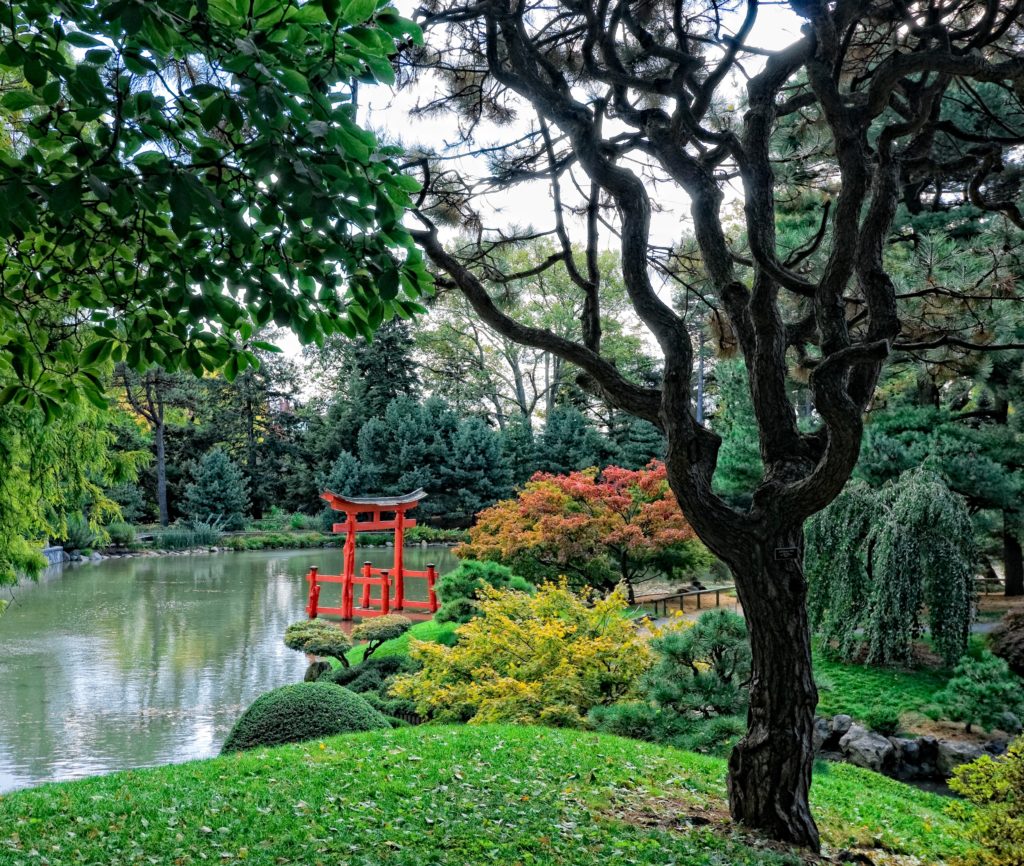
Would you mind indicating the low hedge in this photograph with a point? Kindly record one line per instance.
(304, 711)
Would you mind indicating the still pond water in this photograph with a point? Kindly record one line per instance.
(143, 661)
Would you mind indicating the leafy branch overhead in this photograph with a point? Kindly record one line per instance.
(182, 173)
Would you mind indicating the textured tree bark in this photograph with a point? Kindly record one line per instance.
(161, 473)
(770, 768)
(1013, 562)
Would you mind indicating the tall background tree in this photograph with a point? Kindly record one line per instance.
(615, 100)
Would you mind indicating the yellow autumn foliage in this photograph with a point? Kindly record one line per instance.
(543, 658)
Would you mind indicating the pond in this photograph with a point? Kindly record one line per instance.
(147, 660)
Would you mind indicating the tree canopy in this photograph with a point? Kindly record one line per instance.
(183, 173)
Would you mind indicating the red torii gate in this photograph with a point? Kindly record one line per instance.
(376, 508)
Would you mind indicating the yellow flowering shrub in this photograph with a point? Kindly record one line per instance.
(543, 658)
(996, 788)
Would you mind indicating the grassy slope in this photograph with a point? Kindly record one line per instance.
(436, 795)
(429, 630)
(857, 689)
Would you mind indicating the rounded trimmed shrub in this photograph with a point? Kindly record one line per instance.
(304, 711)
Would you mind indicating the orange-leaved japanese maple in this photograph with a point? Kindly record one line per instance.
(597, 527)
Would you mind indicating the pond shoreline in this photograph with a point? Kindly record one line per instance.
(206, 550)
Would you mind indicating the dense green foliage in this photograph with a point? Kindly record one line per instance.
(458, 588)
(464, 795)
(995, 787)
(166, 150)
(218, 492)
(49, 473)
(739, 466)
(458, 461)
(300, 712)
(982, 692)
(877, 560)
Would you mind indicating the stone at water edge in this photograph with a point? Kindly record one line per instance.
(953, 753)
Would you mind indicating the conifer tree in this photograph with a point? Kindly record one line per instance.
(218, 492)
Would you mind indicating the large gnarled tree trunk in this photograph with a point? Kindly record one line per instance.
(624, 92)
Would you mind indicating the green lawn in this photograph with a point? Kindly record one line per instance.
(445, 796)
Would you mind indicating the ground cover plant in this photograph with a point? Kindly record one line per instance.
(450, 796)
(858, 690)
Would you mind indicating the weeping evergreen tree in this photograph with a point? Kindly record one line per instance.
(884, 562)
(836, 567)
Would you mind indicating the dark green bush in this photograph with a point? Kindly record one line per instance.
(883, 720)
(695, 696)
(982, 692)
(458, 588)
(371, 674)
(643, 720)
(702, 669)
(187, 535)
(304, 711)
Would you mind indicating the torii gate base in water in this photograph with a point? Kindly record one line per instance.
(373, 510)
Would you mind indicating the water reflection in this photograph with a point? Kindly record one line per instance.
(136, 662)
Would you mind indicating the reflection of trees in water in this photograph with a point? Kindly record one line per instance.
(145, 660)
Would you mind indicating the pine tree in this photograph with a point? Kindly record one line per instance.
(519, 448)
(637, 442)
(369, 376)
(739, 461)
(570, 443)
(218, 492)
(479, 473)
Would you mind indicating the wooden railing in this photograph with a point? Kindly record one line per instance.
(663, 600)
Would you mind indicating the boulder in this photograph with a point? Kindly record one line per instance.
(953, 753)
(865, 748)
(820, 733)
(841, 724)
(907, 763)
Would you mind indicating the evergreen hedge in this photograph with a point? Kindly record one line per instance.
(304, 711)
